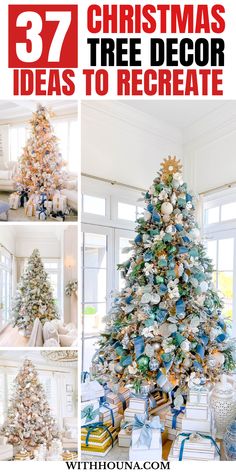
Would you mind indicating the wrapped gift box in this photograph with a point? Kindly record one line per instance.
(130, 414)
(202, 426)
(119, 399)
(89, 412)
(91, 391)
(49, 206)
(140, 450)
(124, 437)
(195, 412)
(138, 404)
(30, 209)
(195, 447)
(106, 412)
(100, 441)
(14, 201)
(59, 203)
(198, 396)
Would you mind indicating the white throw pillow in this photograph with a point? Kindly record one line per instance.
(65, 340)
(5, 175)
(62, 330)
(52, 342)
(49, 331)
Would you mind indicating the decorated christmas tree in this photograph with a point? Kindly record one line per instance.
(34, 297)
(166, 327)
(40, 168)
(29, 422)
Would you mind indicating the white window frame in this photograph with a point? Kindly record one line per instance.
(6, 269)
(222, 230)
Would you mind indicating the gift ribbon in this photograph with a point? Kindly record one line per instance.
(187, 436)
(123, 400)
(89, 413)
(146, 426)
(92, 427)
(198, 390)
(175, 414)
(139, 346)
(108, 407)
(149, 400)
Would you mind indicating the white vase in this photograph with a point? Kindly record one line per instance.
(223, 405)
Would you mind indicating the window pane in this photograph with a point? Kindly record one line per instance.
(228, 311)
(226, 254)
(90, 347)
(94, 285)
(228, 211)
(140, 212)
(73, 146)
(225, 285)
(126, 211)
(123, 243)
(212, 215)
(94, 205)
(211, 247)
(95, 250)
(94, 314)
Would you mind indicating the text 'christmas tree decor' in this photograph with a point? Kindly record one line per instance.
(29, 422)
(34, 297)
(166, 327)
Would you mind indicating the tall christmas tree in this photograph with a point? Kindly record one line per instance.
(29, 422)
(40, 168)
(165, 327)
(34, 297)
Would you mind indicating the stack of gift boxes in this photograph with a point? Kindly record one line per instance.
(194, 429)
(39, 206)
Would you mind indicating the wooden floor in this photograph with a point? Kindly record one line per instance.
(11, 338)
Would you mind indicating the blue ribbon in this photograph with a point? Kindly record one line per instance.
(145, 426)
(180, 306)
(149, 400)
(186, 437)
(139, 346)
(200, 350)
(92, 427)
(84, 376)
(175, 414)
(108, 407)
(123, 400)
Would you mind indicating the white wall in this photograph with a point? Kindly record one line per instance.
(70, 270)
(7, 238)
(120, 144)
(48, 247)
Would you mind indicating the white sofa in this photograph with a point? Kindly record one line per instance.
(6, 450)
(6, 181)
(70, 191)
(53, 334)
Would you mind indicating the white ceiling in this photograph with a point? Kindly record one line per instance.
(35, 231)
(13, 110)
(179, 113)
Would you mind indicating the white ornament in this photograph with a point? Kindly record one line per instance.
(170, 229)
(166, 208)
(162, 195)
(166, 218)
(149, 350)
(195, 234)
(155, 298)
(146, 298)
(147, 216)
(185, 346)
(204, 286)
(173, 199)
(219, 358)
(178, 178)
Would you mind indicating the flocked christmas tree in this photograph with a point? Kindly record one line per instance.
(40, 167)
(165, 327)
(29, 422)
(34, 296)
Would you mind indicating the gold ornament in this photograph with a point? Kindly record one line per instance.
(170, 166)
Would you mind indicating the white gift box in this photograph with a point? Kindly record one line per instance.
(59, 202)
(202, 426)
(196, 412)
(91, 390)
(195, 448)
(89, 412)
(140, 452)
(138, 404)
(124, 438)
(30, 209)
(49, 206)
(14, 201)
(198, 396)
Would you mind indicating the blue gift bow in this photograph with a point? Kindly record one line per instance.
(176, 413)
(186, 437)
(93, 427)
(108, 406)
(89, 413)
(146, 427)
(139, 346)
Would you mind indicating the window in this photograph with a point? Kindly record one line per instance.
(5, 286)
(94, 205)
(129, 212)
(219, 225)
(17, 139)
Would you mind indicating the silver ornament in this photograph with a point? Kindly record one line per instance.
(154, 364)
(156, 346)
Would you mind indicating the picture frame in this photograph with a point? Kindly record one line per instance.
(69, 388)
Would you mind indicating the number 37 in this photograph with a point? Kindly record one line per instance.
(31, 51)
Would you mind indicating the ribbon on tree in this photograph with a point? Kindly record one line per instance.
(146, 427)
(84, 376)
(139, 346)
(175, 414)
(92, 427)
(108, 407)
(89, 413)
(188, 436)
